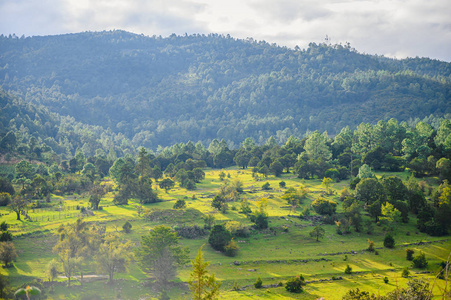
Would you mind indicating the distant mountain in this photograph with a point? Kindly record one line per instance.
(160, 91)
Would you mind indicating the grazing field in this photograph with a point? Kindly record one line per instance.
(276, 254)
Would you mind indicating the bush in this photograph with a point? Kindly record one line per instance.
(323, 206)
(370, 246)
(405, 273)
(348, 269)
(386, 279)
(294, 285)
(389, 241)
(420, 261)
(231, 249)
(219, 237)
(409, 254)
(266, 186)
(258, 283)
(261, 221)
(127, 227)
(6, 236)
(5, 199)
(282, 184)
(179, 204)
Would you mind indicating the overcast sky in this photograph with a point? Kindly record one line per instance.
(395, 28)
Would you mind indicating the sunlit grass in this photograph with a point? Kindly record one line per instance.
(274, 255)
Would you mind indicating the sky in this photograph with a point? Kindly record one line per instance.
(394, 28)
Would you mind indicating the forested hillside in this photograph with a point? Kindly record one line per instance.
(150, 91)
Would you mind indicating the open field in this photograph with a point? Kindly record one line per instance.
(276, 254)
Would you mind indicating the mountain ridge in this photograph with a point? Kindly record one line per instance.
(160, 91)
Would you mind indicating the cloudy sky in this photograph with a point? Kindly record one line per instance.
(395, 28)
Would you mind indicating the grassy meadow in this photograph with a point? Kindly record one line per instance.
(275, 255)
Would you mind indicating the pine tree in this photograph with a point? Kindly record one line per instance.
(203, 286)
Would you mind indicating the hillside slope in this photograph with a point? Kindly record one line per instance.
(160, 91)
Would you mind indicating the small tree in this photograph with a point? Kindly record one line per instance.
(7, 253)
(219, 237)
(348, 269)
(231, 249)
(389, 241)
(317, 232)
(370, 246)
(52, 270)
(405, 273)
(420, 261)
(180, 204)
(258, 283)
(294, 285)
(127, 227)
(203, 285)
(409, 254)
(18, 204)
(166, 184)
(282, 184)
(266, 186)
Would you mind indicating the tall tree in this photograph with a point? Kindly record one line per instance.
(113, 255)
(160, 253)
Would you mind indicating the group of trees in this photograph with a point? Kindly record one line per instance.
(199, 88)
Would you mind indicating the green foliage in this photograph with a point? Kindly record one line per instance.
(7, 253)
(266, 186)
(317, 232)
(348, 269)
(258, 283)
(420, 261)
(295, 284)
(389, 241)
(179, 204)
(127, 227)
(219, 237)
(324, 206)
(231, 249)
(160, 253)
(386, 280)
(405, 273)
(409, 254)
(202, 285)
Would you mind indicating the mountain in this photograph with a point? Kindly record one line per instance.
(159, 91)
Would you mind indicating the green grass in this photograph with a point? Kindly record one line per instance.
(273, 255)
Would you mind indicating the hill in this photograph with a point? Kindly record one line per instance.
(160, 91)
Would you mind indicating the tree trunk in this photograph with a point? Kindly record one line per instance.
(18, 215)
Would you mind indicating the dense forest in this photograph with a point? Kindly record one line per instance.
(117, 90)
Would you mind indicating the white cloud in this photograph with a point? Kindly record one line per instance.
(391, 27)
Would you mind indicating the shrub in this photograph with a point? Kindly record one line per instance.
(266, 186)
(420, 261)
(386, 279)
(190, 232)
(179, 204)
(261, 221)
(6, 236)
(348, 269)
(405, 273)
(282, 184)
(294, 285)
(409, 254)
(5, 199)
(258, 283)
(323, 206)
(370, 246)
(389, 241)
(231, 249)
(127, 227)
(219, 237)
